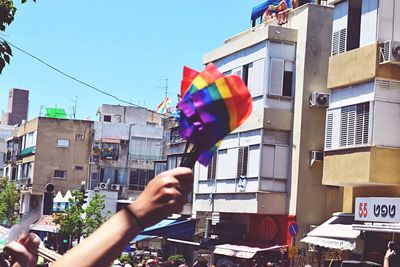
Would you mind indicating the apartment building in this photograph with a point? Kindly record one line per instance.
(6, 132)
(48, 151)
(362, 138)
(267, 174)
(17, 107)
(126, 142)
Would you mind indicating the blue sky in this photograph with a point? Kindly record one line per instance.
(126, 48)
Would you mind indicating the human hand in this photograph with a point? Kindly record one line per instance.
(24, 252)
(165, 194)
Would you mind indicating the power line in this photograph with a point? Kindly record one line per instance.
(72, 77)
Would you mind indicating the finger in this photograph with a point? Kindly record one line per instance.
(32, 242)
(18, 252)
(181, 173)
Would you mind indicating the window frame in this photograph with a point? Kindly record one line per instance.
(65, 176)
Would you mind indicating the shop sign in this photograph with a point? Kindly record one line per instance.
(293, 252)
(377, 209)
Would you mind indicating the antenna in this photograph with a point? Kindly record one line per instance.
(74, 107)
(165, 87)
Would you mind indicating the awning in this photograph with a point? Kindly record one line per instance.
(28, 151)
(177, 228)
(378, 227)
(110, 141)
(335, 233)
(240, 251)
(46, 224)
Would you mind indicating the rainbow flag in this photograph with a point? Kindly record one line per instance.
(163, 107)
(212, 106)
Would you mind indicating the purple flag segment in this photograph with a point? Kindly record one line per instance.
(213, 106)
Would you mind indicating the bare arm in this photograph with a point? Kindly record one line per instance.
(164, 195)
(389, 254)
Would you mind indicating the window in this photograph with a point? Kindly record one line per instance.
(139, 178)
(212, 168)
(107, 118)
(79, 137)
(62, 143)
(60, 174)
(143, 148)
(275, 161)
(347, 126)
(354, 24)
(78, 168)
(110, 151)
(288, 79)
(354, 125)
(243, 155)
(281, 77)
(245, 76)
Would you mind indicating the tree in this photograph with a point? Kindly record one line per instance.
(8, 200)
(77, 221)
(7, 14)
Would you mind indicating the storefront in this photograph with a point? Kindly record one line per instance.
(379, 220)
(334, 241)
(252, 239)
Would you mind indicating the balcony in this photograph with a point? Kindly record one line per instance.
(358, 66)
(367, 166)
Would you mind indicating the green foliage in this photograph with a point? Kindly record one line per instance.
(8, 200)
(7, 15)
(177, 259)
(125, 258)
(76, 221)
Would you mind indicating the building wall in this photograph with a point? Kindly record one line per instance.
(17, 110)
(313, 48)
(6, 132)
(49, 157)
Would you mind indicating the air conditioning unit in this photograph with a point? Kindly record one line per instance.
(18, 186)
(103, 186)
(115, 187)
(316, 156)
(319, 99)
(24, 187)
(390, 52)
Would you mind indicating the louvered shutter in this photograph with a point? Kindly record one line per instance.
(212, 168)
(396, 31)
(342, 40)
(362, 124)
(335, 43)
(369, 17)
(276, 76)
(243, 155)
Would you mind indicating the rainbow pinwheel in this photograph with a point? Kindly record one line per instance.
(212, 106)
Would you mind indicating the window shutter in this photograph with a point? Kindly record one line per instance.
(281, 169)
(243, 155)
(342, 40)
(212, 168)
(276, 76)
(329, 129)
(335, 43)
(362, 125)
(354, 125)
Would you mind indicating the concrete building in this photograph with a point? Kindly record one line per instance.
(126, 142)
(17, 109)
(48, 150)
(267, 174)
(362, 142)
(6, 132)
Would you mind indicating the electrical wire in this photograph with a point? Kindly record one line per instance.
(74, 78)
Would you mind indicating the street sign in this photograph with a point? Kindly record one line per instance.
(293, 229)
(293, 252)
